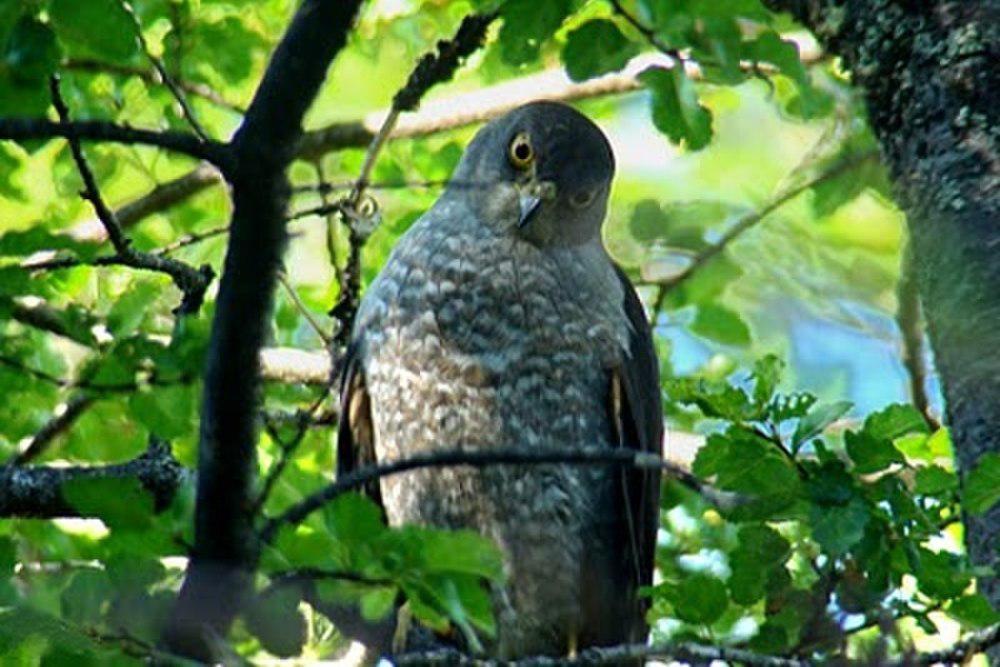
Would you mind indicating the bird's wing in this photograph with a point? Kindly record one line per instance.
(355, 432)
(636, 414)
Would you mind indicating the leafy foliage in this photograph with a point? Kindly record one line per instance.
(832, 523)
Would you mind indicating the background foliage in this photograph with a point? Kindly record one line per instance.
(748, 207)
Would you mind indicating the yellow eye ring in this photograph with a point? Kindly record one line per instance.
(520, 153)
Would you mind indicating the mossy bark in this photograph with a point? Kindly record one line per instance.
(930, 74)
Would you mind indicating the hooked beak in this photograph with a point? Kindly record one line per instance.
(528, 205)
(530, 198)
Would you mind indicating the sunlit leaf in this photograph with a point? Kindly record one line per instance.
(596, 47)
(676, 110)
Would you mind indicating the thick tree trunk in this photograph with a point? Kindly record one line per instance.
(225, 552)
(930, 72)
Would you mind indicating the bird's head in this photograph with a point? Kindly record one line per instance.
(542, 171)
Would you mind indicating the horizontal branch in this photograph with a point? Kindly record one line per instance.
(27, 129)
(612, 655)
(480, 458)
(750, 220)
(36, 491)
(450, 112)
(292, 366)
(959, 653)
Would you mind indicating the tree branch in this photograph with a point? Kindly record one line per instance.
(750, 220)
(56, 426)
(164, 75)
(480, 458)
(612, 655)
(26, 129)
(442, 115)
(432, 68)
(912, 337)
(36, 491)
(219, 573)
(190, 281)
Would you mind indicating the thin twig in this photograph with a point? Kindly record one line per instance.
(198, 90)
(304, 419)
(748, 221)
(647, 32)
(52, 429)
(191, 239)
(481, 458)
(192, 282)
(302, 308)
(912, 338)
(165, 76)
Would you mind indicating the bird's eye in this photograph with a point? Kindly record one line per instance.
(521, 154)
(583, 198)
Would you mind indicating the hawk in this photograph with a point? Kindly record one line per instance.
(499, 321)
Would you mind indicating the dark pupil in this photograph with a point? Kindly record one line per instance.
(522, 152)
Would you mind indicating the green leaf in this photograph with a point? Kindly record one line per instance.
(940, 574)
(744, 463)
(699, 598)
(720, 324)
(462, 552)
(982, 487)
(818, 418)
(169, 411)
(31, 53)
(974, 612)
(714, 399)
(837, 528)
(870, 454)
(378, 602)
(100, 28)
(527, 24)
(596, 47)
(675, 107)
(132, 307)
(274, 618)
(766, 375)
(120, 502)
(894, 421)
(8, 557)
(761, 549)
(783, 54)
(933, 479)
(83, 598)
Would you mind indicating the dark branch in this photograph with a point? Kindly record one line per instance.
(688, 653)
(480, 458)
(959, 654)
(912, 336)
(36, 491)
(225, 553)
(44, 317)
(25, 129)
(192, 282)
(432, 68)
(164, 75)
(53, 428)
(749, 221)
